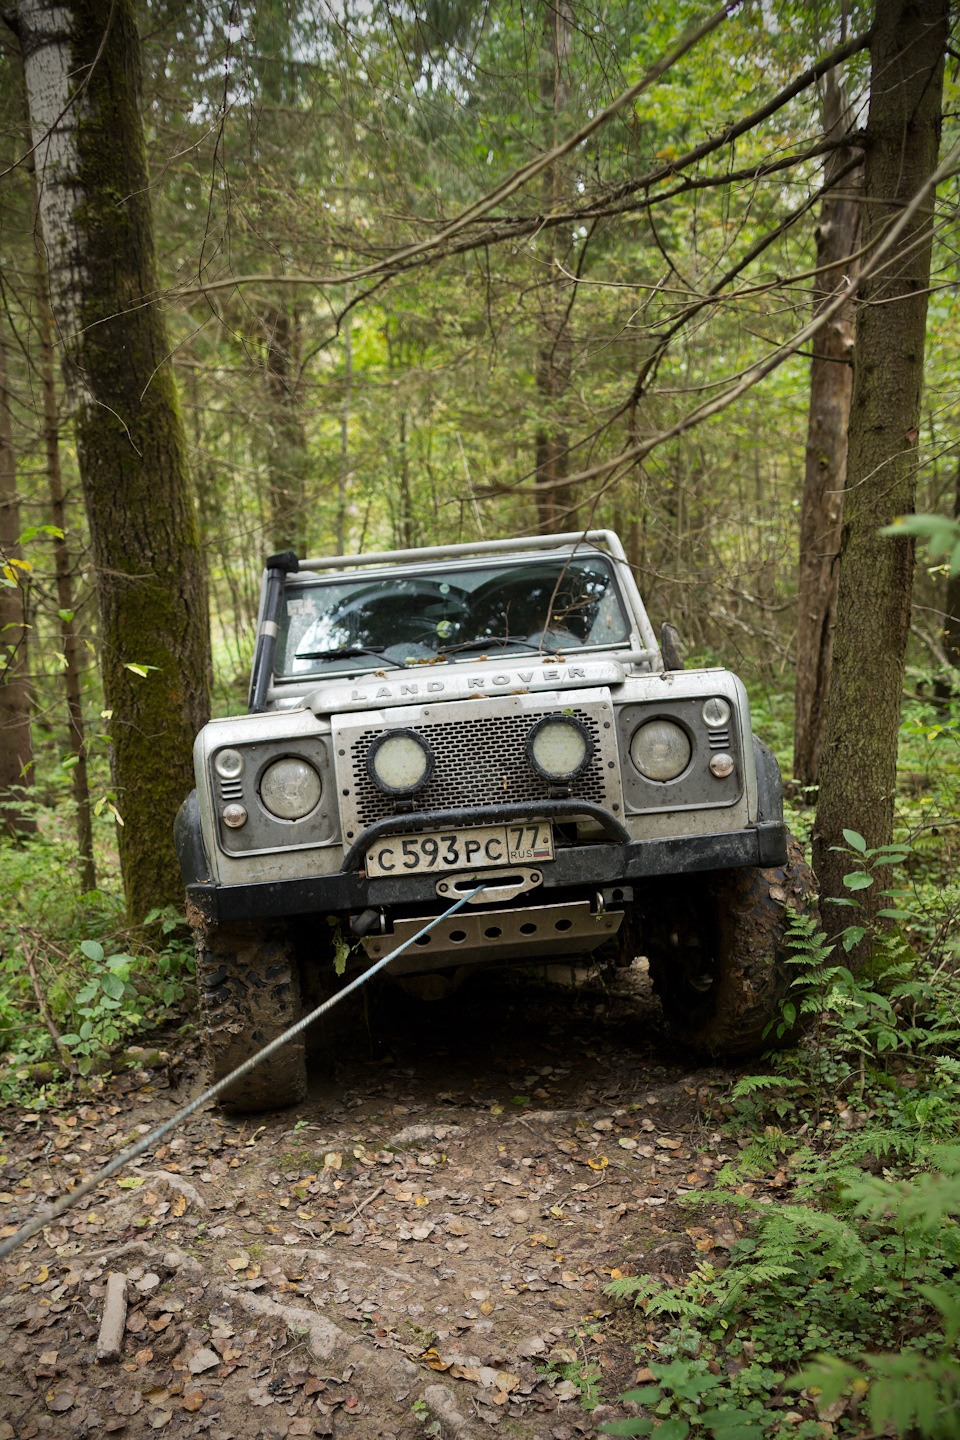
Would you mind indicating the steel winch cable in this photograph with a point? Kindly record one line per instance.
(147, 1142)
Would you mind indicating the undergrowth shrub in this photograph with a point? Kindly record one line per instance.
(844, 1300)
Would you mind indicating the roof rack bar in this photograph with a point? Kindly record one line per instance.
(476, 547)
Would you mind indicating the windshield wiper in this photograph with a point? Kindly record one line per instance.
(481, 644)
(342, 652)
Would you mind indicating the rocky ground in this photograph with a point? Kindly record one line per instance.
(421, 1248)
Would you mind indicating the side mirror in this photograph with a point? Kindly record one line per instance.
(670, 646)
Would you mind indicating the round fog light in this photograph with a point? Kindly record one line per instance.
(290, 788)
(400, 762)
(234, 816)
(559, 748)
(229, 764)
(721, 765)
(715, 712)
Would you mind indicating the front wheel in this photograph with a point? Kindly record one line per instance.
(721, 966)
(249, 989)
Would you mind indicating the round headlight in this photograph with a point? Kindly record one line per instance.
(400, 762)
(290, 788)
(715, 712)
(660, 750)
(229, 764)
(559, 748)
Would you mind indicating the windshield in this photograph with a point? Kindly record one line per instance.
(539, 607)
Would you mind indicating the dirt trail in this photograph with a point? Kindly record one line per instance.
(421, 1248)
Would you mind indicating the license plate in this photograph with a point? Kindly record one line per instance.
(461, 849)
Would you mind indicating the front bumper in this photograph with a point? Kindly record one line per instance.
(591, 865)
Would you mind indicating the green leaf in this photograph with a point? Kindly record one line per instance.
(858, 880)
(112, 986)
(852, 936)
(66, 616)
(68, 762)
(638, 1426)
(673, 1430)
(855, 840)
(69, 1040)
(92, 949)
(142, 670)
(86, 1030)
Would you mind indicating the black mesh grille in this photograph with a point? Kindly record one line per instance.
(478, 762)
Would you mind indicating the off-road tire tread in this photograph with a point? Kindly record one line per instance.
(753, 976)
(249, 987)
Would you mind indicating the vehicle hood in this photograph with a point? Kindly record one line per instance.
(434, 683)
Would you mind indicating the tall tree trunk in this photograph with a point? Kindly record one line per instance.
(63, 568)
(82, 70)
(344, 473)
(553, 359)
(16, 747)
(287, 458)
(947, 686)
(831, 384)
(858, 767)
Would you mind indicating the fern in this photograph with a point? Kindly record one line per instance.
(751, 1084)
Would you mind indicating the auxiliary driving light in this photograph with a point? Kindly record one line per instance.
(715, 712)
(290, 788)
(660, 749)
(559, 748)
(229, 764)
(400, 762)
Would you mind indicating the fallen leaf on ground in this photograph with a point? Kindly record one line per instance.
(61, 1397)
(435, 1360)
(202, 1360)
(128, 1402)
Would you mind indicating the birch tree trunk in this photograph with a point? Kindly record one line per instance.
(831, 384)
(82, 70)
(858, 769)
(63, 567)
(16, 748)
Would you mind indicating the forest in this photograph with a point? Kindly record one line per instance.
(340, 278)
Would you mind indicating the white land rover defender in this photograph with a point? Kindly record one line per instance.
(423, 722)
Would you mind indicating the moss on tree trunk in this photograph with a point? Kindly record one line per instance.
(858, 768)
(98, 232)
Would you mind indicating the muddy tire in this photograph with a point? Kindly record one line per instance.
(721, 968)
(249, 990)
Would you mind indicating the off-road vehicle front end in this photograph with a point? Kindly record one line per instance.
(497, 714)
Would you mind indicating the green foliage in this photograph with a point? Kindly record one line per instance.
(687, 1398)
(342, 947)
(100, 983)
(848, 1292)
(103, 1009)
(942, 534)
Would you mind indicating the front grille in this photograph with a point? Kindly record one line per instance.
(720, 739)
(480, 761)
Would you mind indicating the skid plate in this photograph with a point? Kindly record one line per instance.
(528, 933)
